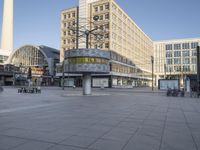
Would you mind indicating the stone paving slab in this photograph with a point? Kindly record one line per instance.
(111, 119)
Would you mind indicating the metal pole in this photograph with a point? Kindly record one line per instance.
(165, 68)
(87, 39)
(152, 62)
(77, 29)
(198, 69)
(63, 75)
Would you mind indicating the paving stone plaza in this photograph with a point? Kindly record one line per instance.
(111, 119)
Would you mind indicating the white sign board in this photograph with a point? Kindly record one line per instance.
(166, 84)
(100, 82)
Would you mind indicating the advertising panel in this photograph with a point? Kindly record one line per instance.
(168, 84)
(100, 82)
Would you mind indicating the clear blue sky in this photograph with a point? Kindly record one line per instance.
(38, 21)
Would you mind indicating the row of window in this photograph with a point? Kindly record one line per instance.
(86, 60)
(102, 7)
(69, 41)
(69, 32)
(102, 46)
(122, 69)
(102, 27)
(3, 58)
(104, 17)
(70, 15)
(180, 69)
(69, 24)
(185, 53)
(179, 46)
(177, 61)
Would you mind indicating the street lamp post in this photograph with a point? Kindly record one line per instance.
(152, 62)
(165, 69)
(87, 32)
(63, 75)
(198, 69)
(87, 76)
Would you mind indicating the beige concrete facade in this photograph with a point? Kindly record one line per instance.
(178, 55)
(68, 37)
(176, 59)
(7, 31)
(7, 26)
(118, 31)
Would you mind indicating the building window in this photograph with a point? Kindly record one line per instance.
(168, 54)
(177, 46)
(194, 52)
(64, 33)
(69, 24)
(185, 53)
(186, 60)
(107, 45)
(194, 68)
(73, 14)
(177, 68)
(101, 27)
(107, 6)
(186, 46)
(194, 45)
(177, 53)
(169, 69)
(194, 61)
(169, 61)
(73, 23)
(107, 26)
(168, 47)
(186, 68)
(65, 16)
(96, 9)
(64, 41)
(177, 61)
(107, 35)
(101, 8)
(107, 16)
(65, 25)
(101, 17)
(69, 15)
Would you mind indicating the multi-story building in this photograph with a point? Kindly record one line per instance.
(68, 37)
(4, 54)
(113, 31)
(176, 59)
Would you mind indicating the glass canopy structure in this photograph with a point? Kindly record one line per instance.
(35, 57)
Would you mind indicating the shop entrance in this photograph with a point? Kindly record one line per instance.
(78, 82)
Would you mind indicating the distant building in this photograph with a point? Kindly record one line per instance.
(4, 54)
(41, 59)
(176, 59)
(118, 33)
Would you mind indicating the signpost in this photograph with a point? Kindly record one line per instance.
(198, 70)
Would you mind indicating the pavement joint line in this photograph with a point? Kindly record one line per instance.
(186, 122)
(163, 131)
(101, 137)
(29, 139)
(25, 108)
(138, 128)
(70, 95)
